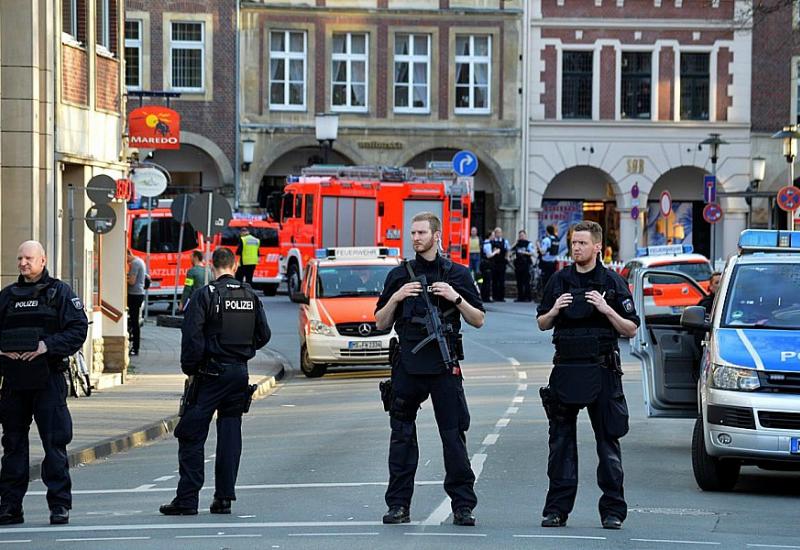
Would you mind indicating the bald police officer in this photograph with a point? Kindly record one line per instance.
(223, 327)
(42, 323)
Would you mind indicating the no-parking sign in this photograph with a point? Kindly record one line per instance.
(789, 198)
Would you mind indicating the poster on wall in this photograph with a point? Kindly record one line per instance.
(561, 214)
(659, 232)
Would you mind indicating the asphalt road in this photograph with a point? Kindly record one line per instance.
(313, 471)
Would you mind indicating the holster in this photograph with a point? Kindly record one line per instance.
(251, 391)
(394, 352)
(189, 396)
(385, 388)
(456, 343)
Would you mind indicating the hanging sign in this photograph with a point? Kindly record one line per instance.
(149, 181)
(154, 127)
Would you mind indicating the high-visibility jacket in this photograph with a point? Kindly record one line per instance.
(249, 250)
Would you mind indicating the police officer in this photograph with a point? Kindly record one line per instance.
(223, 327)
(590, 307)
(498, 256)
(415, 376)
(248, 256)
(549, 250)
(523, 261)
(42, 323)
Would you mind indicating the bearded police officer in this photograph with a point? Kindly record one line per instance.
(590, 308)
(223, 328)
(427, 369)
(42, 323)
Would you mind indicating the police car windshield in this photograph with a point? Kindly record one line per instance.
(699, 271)
(764, 296)
(351, 280)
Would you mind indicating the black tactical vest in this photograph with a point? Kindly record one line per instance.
(233, 313)
(500, 258)
(522, 260)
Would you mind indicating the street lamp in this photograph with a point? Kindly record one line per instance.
(713, 142)
(789, 135)
(758, 166)
(248, 151)
(327, 129)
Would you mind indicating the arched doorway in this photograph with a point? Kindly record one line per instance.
(191, 170)
(292, 163)
(581, 193)
(487, 193)
(685, 224)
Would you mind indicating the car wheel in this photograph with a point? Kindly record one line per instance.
(711, 473)
(269, 289)
(311, 370)
(293, 279)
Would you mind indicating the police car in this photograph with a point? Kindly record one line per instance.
(743, 387)
(337, 308)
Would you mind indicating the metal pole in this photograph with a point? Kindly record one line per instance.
(147, 257)
(790, 213)
(770, 207)
(180, 253)
(713, 225)
(71, 229)
(208, 232)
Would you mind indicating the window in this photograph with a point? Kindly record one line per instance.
(636, 78)
(104, 24)
(473, 74)
(411, 73)
(186, 56)
(288, 206)
(694, 86)
(69, 15)
(133, 54)
(298, 206)
(164, 236)
(287, 70)
(309, 209)
(349, 72)
(576, 85)
(797, 102)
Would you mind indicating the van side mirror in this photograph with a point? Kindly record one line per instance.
(695, 317)
(300, 298)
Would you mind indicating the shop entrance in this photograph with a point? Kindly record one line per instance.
(685, 224)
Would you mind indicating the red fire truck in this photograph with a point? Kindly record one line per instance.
(267, 276)
(332, 206)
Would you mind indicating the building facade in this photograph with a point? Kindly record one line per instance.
(61, 124)
(188, 47)
(621, 94)
(412, 81)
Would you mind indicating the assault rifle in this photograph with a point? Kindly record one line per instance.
(433, 323)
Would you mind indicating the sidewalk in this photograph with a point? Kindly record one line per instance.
(145, 407)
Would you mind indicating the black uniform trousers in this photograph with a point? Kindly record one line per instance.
(135, 302)
(245, 273)
(562, 464)
(499, 280)
(486, 285)
(225, 394)
(48, 406)
(452, 418)
(523, 275)
(548, 270)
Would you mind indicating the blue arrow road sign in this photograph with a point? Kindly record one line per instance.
(465, 163)
(709, 189)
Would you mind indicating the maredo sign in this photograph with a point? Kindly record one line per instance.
(154, 127)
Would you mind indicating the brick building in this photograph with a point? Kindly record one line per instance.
(61, 124)
(412, 81)
(188, 47)
(621, 93)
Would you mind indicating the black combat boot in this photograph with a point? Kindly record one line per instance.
(173, 509)
(397, 514)
(59, 515)
(554, 520)
(464, 516)
(221, 506)
(11, 515)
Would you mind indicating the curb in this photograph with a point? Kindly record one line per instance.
(150, 432)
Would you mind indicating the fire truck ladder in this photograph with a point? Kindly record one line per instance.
(456, 226)
(380, 173)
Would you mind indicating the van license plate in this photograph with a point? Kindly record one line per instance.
(365, 345)
(795, 445)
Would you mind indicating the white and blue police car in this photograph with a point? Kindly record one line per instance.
(737, 370)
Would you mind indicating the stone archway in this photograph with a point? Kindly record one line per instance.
(685, 224)
(213, 150)
(191, 168)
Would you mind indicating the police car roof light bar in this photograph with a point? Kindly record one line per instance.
(765, 240)
(665, 250)
(356, 252)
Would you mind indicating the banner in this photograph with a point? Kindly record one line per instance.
(657, 231)
(154, 127)
(562, 215)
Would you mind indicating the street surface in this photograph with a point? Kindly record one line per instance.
(314, 470)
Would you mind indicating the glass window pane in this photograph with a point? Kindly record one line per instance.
(339, 43)
(296, 69)
(420, 73)
(187, 31)
(358, 97)
(186, 68)
(296, 94)
(132, 30)
(462, 45)
(297, 42)
(132, 67)
(481, 97)
(401, 96)
(462, 73)
(481, 45)
(339, 73)
(401, 73)
(276, 41)
(277, 71)
(276, 93)
(421, 97)
(358, 69)
(462, 96)
(401, 44)
(358, 43)
(421, 45)
(339, 95)
(481, 73)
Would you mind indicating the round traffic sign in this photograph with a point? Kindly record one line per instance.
(209, 214)
(149, 181)
(180, 207)
(789, 198)
(465, 163)
(101, 189)
(712, 212)
(665, 202)
(635, 212)
(101, 218)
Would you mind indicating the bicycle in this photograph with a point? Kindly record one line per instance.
(77, 376)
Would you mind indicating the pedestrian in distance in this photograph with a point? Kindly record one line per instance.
(424, 300)
(498, 255)
(42, 323)
(223, 327)
(590, 308)
(136, 276)
(549, 253)
(523, 262)
(486, 268)
(197, 277)
(248, 256)
(475, 254)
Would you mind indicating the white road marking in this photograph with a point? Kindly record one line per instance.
(102, 538)
(490, 439)
(502, 423)
(286, 405)
(372, 534)
(557, 537)
(513, 361)
(140, 527)
(163, 478)
(667, 541)
(512, 410)
(145, 487)
(443, 510)
(15, 541)
(771, 546)
(522, 375)
(217, 536)
(445, 534)
(522, 387)
(518, 399)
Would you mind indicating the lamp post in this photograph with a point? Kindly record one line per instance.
(327, 130)
(713, 142)
(758, 167)
(789, 135)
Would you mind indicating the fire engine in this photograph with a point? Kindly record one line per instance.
(267, 276)
(338, 206)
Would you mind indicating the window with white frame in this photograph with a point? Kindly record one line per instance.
(695, 86)
(187, 56)
(104, 24)
(69, 17)
(412, 62)
(287, 70)
(576, 84)
(133, 54)
(636, 84)
(473, 74)
(349, 71)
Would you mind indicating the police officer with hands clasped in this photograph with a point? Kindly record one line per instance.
(425, 299)
(590, 307)
(42, 323)
(223, 327)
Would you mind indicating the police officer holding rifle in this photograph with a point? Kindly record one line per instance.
(223, 328)
(590, 307)
(425, 299)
